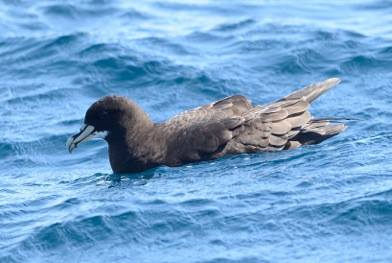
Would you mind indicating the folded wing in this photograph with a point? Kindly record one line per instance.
(233, 125)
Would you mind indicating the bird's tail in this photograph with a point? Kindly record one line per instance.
(313, 91)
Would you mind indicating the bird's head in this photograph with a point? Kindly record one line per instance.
(108, 115)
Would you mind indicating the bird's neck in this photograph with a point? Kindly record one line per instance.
(132, 147)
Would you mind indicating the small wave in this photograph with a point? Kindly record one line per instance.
(386, 52)
(62, 41)
(45, 151)
(70, 11)
(196, 202)
(362, 63)
(85, 231)
(235, 260)
(93, 229)
(164, 46)
(365, 213)
(230, 27)
(375, 5)
(99, 49)
(6, 150)
(133, 14)
(350, 214)
(45, 55)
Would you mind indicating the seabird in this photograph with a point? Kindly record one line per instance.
(228, 126)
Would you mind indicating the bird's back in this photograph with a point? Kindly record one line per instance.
(233, 106)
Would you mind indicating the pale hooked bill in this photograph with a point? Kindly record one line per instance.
(87, 132)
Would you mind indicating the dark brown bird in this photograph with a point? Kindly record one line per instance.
(228, 126)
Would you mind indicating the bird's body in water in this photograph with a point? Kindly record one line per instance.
(228, 126)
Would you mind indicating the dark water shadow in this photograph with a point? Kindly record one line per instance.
(121, 179)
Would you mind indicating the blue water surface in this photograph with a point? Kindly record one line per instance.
(324, 203)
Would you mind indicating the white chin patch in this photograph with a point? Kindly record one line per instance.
(101, 134)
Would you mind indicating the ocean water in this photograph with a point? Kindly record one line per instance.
(324, 203)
